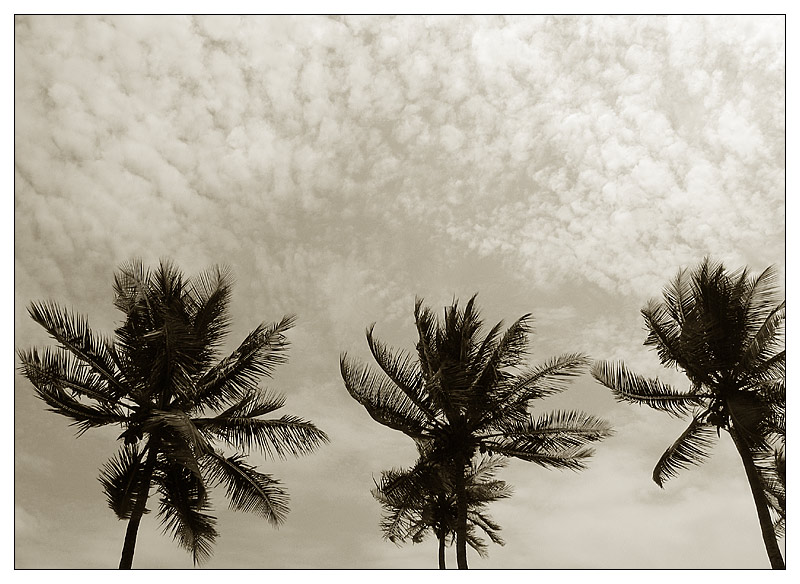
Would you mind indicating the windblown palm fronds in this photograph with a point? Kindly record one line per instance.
(161, 380)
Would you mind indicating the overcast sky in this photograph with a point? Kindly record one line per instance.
(566, 167)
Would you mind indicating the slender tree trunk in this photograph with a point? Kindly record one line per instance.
(126, 561)
(762, 507)
(441, 552)
(461, 517)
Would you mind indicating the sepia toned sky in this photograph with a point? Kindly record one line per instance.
(562, 166)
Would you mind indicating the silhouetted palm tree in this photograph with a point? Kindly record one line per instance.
(160, 379)
(723, 330)
(464, 395)
(421, 500)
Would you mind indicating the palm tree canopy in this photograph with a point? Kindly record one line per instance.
(464, 392)
(421, 500)
(161, 379)
(724, 331)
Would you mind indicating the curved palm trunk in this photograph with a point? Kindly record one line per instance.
(461, 518)
(762, 507)
(441, 552)
(126, 560)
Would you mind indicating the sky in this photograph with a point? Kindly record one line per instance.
(565, 167)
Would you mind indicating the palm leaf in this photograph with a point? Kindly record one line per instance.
(285, 436)
(73, 333)
(772, 474)
(253, 404)
(765, 340)
(236, 375)
(181, 443)
(130, 285)
(771, 369)
(383, 400)
(664, 333)
(691, 448)
(757, 298)
(183, 511)
(60, 369)
(247, 489)
(120, 477)
(507, 352)
(553, 376)
(426, 324)
(678, 297)
(400, 368)
(488, 525)
(752, 417)
(554, 431)
(209, 298)
(60, 402)
(178, 423)
(629, 387)
(559, 458)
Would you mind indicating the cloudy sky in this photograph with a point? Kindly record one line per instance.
(563, 166)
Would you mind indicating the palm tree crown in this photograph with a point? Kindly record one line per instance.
(421, 500)
(724, 332)
(161, 380)
(464, 394)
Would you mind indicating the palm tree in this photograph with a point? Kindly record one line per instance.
(421, 500)
(160, 380)
(723, 331)
(465, 395)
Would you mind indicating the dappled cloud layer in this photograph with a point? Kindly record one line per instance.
(597, 148)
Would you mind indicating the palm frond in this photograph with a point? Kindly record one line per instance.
(752, 417)
(51, 391)
(771, 369)
(558, 458)
(278, 438)
(238, 374)
(772, 394)
(183, 511)
(401, 369)
(178, 423)
(130, 285)
(209, 298)
(555, 440)
(61, 369)
(247, 489)
(476, 542)
(549, 378)
(664, 333)
(410, 487)
(120, 477)
(489, 526)
(678, 297)
(772, 474)
(509, 351)
(758, 297)
(488, 345)
(383, 400)
(181, 443)
(426, 324)
(691, 448)
(765, 340)
(485, 468)
(253, 404)
(72, 332)
(629, 387)
(556, 430)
